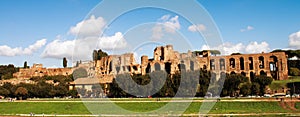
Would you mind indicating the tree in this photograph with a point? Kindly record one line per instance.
(21, 92)
(25, 65)
(97, 55)
(4, 92)
(294, 71)
(65, 62)
(255, 88)
(263, 81)
(215, 52)
(245, 89)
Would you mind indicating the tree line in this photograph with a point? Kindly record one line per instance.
(40, 89)
(7, 71)
(198, 83)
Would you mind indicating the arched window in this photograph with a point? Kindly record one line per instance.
(251, 63)
(242, 66)
(222, 64)
(232, 62)
(157, 66)
(261, 62)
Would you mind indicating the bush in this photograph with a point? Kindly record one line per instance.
(294, 71)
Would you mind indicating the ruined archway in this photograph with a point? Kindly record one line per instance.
(243, 73)
(157, 67)
(262, 73)
(242, 65)
(222, 64)
(261, 62)
(251, 63)
(273, 67)
(168, 67)
(232, 62)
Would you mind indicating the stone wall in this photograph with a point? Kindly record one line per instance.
(165, 58)
(37, 70)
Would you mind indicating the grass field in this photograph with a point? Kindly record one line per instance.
(62, 107)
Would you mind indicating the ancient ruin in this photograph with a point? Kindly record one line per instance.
(37, 70)
(165, 58)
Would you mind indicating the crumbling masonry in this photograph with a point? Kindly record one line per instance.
(165, 58)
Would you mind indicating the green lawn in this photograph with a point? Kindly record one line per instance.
(79, 107)
(43, 107)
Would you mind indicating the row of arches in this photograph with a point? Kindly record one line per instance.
(273, 61)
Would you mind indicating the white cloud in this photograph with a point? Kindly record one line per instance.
(255, 47)
(198, 27)
(116, 41)
(172, 24)
(59, 49)
(166, 24)
(87, 40)
(89, 27)
(8, 51)
(229, 48)
(81, 49)
(247, 29)
(294, 40)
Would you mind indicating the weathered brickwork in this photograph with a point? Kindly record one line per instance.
(39, 70)
(165, 58)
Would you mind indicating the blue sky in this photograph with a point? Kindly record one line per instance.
(44, 31)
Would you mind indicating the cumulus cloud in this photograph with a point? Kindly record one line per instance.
(166, 24)
(255, 47)
(116, 41)
(9, 51)
(248, 28)
(88, 39)
(294, 40)
(229, 48)
(198, 27)
(82, 48)
(59, 49)
(89, 27)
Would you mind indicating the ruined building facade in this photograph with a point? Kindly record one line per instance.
(37, 70)
(165, 58)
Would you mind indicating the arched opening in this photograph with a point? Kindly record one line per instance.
(212, 64)
(110, 67)
(168, 67)
(273, 67)
(261, 62)
(192, 66)
(222, 64)
(118, 69)
(262, 73)
(242, 66)
(181, 67)
(157, 67)
(243, 73)
(232, 62)
(251, 63)
(148, 68)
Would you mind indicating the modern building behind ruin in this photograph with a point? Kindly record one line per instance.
(165, 58)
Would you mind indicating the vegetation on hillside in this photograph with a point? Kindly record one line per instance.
(6, 71)
(41, 89)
